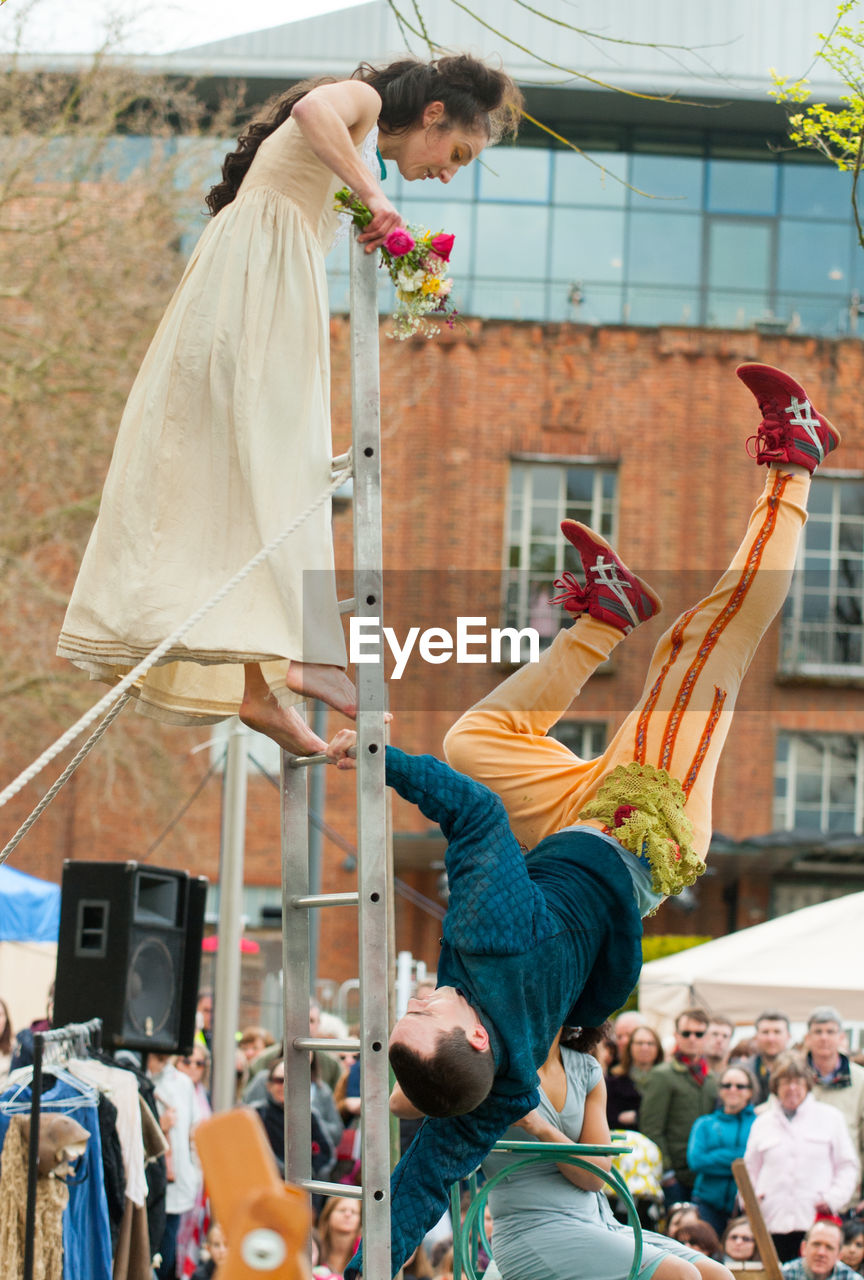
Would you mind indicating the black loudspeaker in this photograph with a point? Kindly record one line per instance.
(129, 953)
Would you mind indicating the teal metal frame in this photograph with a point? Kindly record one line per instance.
(468, 1236)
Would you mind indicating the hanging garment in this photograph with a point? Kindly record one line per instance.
(52, 1196)
(121, 1086)
(86, 1231)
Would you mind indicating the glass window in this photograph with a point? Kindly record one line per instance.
(818, 783)
(652, 305)
(578, 181)
(739, 254)
(512, 241)
(515, 173)
(585, 738)
(742, 186)
(830, 316)
(674, 179)
(512, 299)
(738, 310)
(815, 190)
(590, 303)
(541, 496)
(587, 244)
(664, 248)
(462, 186)
(121, 157)
(444, 215)
(814, 257)
(823, 619)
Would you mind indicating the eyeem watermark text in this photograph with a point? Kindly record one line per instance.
(473, 643)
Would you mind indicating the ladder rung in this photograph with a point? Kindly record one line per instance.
(341, 1189)
(349, 899)
(300, 762)
(348, 606)
(333, 1044)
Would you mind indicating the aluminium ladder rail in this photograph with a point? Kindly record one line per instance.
(374, 896)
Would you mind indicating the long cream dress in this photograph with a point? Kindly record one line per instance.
(224, 441)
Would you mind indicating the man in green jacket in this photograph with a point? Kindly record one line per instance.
(676, 1093)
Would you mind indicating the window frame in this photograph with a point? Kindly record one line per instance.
(565, 557)
(793, 625)
(787, 769)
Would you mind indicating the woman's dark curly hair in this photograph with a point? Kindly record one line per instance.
(474, 96)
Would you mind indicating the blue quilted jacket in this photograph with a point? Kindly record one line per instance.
(521, 938)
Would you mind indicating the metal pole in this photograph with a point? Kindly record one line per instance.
(317, 792)
(372, 843)
(296, 934)
(226, 996)
(33, 1158)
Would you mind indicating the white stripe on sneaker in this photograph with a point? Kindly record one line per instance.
(606, 572)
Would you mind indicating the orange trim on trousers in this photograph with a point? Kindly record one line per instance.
(683, 716)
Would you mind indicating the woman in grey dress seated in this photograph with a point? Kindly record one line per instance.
(552, 1221)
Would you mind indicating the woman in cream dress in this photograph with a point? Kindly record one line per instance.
(225, 439)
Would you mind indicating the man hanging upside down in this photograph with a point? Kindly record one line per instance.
(533, 942)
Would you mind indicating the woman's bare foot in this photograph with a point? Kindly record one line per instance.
(327, 684)
(260, 710)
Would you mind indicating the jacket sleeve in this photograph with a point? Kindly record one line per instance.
(707, 1152)
(753, 1152)
(845, 1167)
(654, 1114)
(443, 1151)
(494, 907)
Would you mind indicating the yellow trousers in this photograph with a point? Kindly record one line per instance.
(683, 716)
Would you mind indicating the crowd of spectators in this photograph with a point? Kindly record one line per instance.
(793, 1112)
(689, 1108)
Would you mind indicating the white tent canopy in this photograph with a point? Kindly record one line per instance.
(794, 963)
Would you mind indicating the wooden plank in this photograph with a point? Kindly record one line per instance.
(764, 1242)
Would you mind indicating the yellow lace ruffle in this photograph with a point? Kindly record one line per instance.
(643, 808)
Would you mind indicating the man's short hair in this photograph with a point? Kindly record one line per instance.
(773, 1015)
(824, 1013)
(452, 1081)
(693, 1015)
(720, 1020)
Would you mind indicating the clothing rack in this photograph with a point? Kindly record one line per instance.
(374, 897)
(77, 1036)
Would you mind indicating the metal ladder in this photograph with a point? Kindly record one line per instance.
(374, 896)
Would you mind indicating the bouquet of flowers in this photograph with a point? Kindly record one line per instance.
(417, 262)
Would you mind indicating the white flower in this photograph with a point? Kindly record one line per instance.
(410, 281)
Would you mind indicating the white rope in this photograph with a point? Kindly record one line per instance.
(153, 657)
(64, 778)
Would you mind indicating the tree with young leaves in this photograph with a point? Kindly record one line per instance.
(836, 132)
(95, 184)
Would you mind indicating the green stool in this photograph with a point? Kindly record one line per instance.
(468, 1236)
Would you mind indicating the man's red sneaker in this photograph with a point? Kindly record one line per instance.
(791, 429)
(611, 593)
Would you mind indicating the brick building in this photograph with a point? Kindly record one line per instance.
(594, 378)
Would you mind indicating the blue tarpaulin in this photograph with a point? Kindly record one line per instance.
(29, 908)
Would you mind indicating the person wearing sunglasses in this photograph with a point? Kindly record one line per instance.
(718, 1139)
(675, 1094)
(738, 1242)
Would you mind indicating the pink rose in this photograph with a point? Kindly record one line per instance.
(442, 244)
(398, 243)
